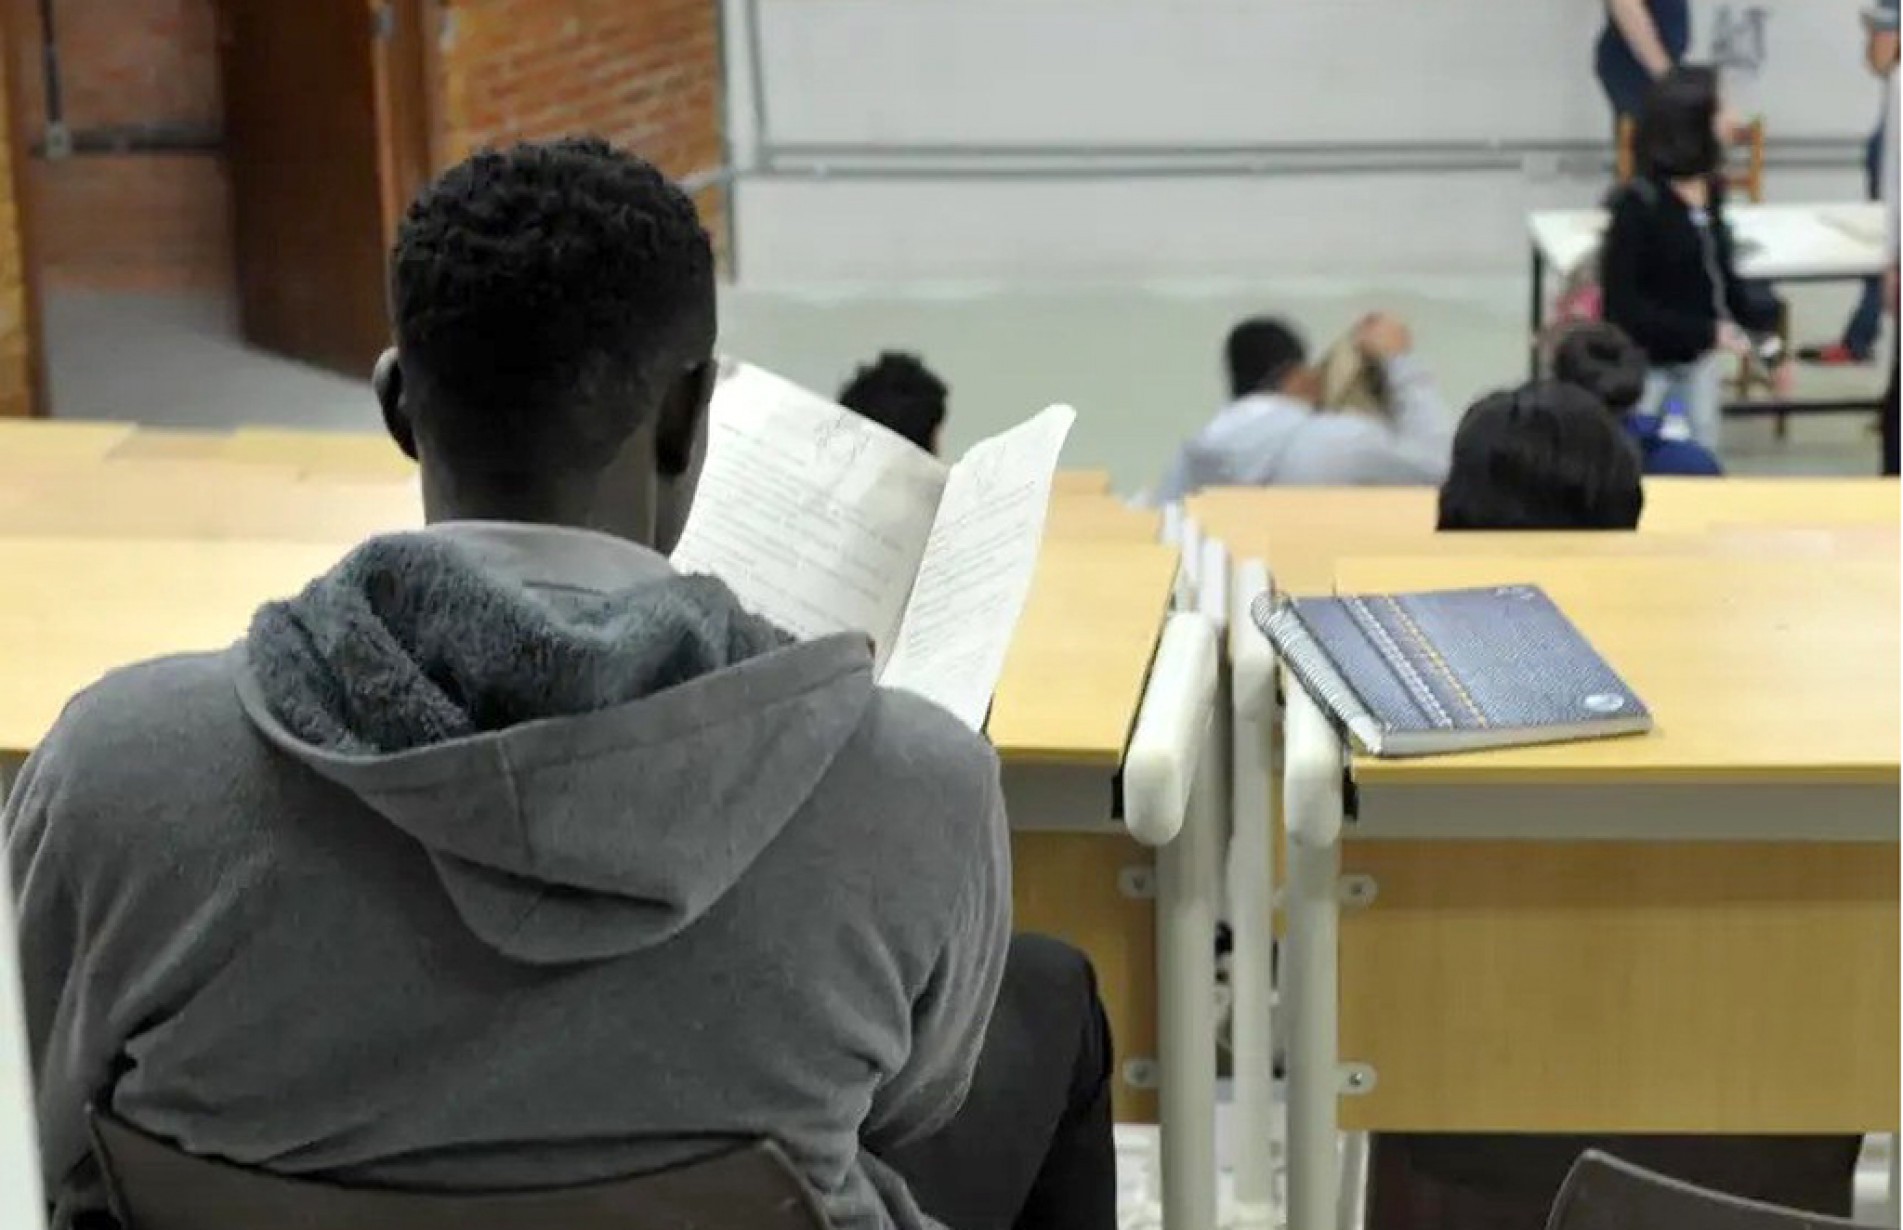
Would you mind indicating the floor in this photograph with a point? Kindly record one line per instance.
(1138, 361)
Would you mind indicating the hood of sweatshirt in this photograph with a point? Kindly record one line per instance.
(590, 763)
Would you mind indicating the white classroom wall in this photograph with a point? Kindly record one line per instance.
(1144, 139)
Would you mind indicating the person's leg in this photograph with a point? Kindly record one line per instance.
(1888, 420)
(1032, 1149)
(1702, 386)
(1860, 335)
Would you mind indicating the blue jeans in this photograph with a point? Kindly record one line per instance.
(1860, 335)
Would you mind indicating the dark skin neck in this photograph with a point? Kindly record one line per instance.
(642, 494)
(622, 499)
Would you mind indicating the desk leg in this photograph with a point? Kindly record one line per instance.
(1536, 317)
(1174, 798)
(1893, 1210)
(1255, 771)
(1312, 807)
(1189, 879)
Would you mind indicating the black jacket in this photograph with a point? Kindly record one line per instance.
(1666, 280)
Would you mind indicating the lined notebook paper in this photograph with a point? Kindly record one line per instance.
(1451, 671)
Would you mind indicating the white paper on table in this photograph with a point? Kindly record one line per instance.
(977, 569)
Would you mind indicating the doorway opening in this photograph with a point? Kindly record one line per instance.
(209, 191)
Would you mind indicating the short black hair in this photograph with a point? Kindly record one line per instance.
(1600, 358)
(1543, 457)
(545, 297)
(900, 393)
(1676, 136)
(1261, 351)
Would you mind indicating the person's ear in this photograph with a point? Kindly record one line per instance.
(387, 381)
(677, 434)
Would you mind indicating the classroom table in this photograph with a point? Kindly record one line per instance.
(1082, 482)
(1244, 515)
(335, 454)
(1687, 931)
(202, 500)
(1302, 531)
(1098, 516)
(1776, 243)
(36, 440)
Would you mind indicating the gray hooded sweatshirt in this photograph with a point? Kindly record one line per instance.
(502, 858)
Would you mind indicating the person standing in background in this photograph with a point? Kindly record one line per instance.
(1643, 40)
(1866, 322)
(1880, 24)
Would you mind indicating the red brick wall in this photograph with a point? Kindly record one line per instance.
(134, 221)
(17, 368)
(642, 73)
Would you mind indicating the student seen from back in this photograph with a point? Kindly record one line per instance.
(1273, 432)
(1605, 363)
(1669, 263)
(502, 856)
(900, 393)
(1543, 457)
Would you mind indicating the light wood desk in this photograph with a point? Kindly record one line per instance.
(1082, 482)
(58, 440)
(202, 500)
(1677, 504)
(1061, 722)
(168, 444)
(1689, 931)
(1672, 505)
(323, 453)
(73, 609)
(1095, 517)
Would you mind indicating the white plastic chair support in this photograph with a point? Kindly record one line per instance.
(1893, 1206)
(1189, 572)
(21, 1205)
(1312, 803)
(1252, 799)
(1171, 728)
(1212, 584)
(1172, 524)
(1173, 799)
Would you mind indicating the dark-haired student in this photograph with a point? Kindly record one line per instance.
(900, 393)
(1274, 433)
(1603, 361)
(1548, 457)
(503, 856)
(1669, 263)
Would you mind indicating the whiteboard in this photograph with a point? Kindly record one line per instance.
(1198, 73)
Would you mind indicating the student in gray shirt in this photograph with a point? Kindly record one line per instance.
(1273, 433)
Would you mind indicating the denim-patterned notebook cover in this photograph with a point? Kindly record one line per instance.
(1453, 671)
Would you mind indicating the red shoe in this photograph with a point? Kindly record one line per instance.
(1834, 355)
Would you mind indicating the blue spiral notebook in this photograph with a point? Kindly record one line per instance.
(1453, 671)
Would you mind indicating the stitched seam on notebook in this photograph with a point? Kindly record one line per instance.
(1391, 653)
(1433, 655)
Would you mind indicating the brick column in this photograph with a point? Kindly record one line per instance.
(644, 74)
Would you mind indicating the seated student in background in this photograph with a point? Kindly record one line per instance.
(900, 393)
(1273, 433)
(503, 856)
(1668, 264)
(1545, 456)
(1605, 363)
(1548, 457)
